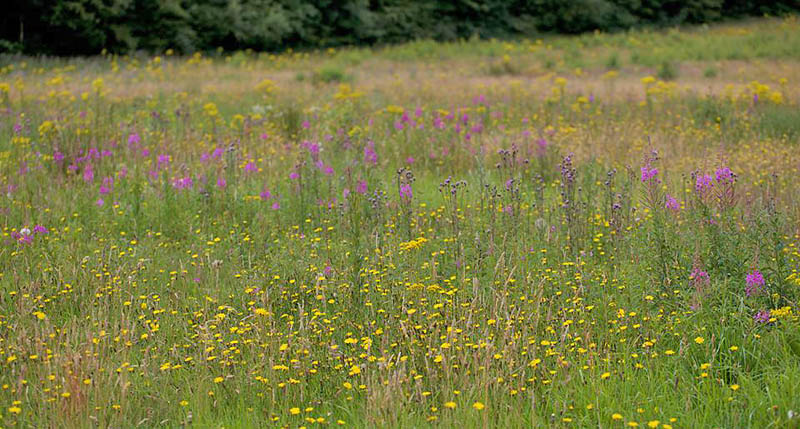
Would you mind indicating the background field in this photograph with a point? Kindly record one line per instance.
(598, 230)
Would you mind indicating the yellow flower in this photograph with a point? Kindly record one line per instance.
(450, 404)
(478, 406)
(605, 375)
(218, 379)
(355, 370)
(39, 315)
(15, 410)
(616, 416)
(653, 423)
(734, 387)
(294, 411)
(699, 340)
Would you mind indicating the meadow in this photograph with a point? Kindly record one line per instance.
(589, 231)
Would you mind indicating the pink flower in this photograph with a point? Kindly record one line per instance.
(648, 173)
(754, 283)
(672, 203)
(762, 316)
(361, 187)
(703, 184)
(405, 192)
(88, 174)
(221, 183)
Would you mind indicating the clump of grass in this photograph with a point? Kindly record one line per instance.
(667, 70)
(710, 72)
(780, 121)
(330, 73)
(612, 62)
(503, 66)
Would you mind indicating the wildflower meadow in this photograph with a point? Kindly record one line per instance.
(572, 231)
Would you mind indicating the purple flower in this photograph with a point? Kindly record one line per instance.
(134, 138)
(183, 183)
(762, 316)
(58, 156)
(221, 183)
(162, 161)
(754, 283)
(313, 148)
(672, 203)
(276, 205)
(703, 184)
(370, 156)
(410, 160)
(294, 175)
(39, 229)
(648, 173)
(88, 174)
(250, 167)
(361, 187)
(99, 202)
(699, 276)
(265, 195)
(405, 192)
(724, 175)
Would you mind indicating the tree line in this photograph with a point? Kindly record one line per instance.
(84, 27)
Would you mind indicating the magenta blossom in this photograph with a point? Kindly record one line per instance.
(671, 203)
(724, 175)
(762, 316)
(648, 173)
(754, 283)
(703, 183)
(361, 187)
(405, 192)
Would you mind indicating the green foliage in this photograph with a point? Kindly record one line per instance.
(780, 121)
(330, 73)
(87, 26)
(667, 71)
